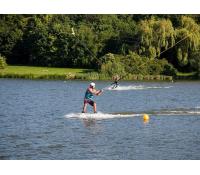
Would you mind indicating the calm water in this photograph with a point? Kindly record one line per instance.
(35, 121)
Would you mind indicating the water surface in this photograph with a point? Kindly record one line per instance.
(40, 120)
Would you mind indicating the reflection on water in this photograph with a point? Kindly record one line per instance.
(38, 120)
(89, 122)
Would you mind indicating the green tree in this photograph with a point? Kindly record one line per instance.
(112, 66)
(189, 32)
(11, 32)
(155, 35)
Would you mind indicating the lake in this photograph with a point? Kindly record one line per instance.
(41, 120)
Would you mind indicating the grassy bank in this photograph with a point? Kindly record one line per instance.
(41, 70)
(186, 76)
(29, 72)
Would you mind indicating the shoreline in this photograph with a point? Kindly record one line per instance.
(84, 76)
(49, 73)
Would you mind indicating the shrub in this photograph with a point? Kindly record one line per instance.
(69, 76)
(112, 66)
(134, 77)
(168, 69)
(93, 76)
(2, 62)
(147, 77)
(135, 64)
(168, 78)
(103, 77)
(80, 76)
(140, 77)
(195, 62)
(154, 67)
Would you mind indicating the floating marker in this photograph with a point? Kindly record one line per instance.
(146, 117)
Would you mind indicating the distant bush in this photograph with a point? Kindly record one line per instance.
(104, 77)
(93, 76)
(195, 62)
(167, 68)
(2, 62)
(112, 65)
(134, 66)
(81, 76)
(69, 76)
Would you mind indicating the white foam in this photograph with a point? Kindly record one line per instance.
(178, 112)
(139, 87)
(98, 115)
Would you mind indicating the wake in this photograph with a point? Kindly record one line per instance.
(178, 112)
(99, 115)
(139, 87)
(164, 112)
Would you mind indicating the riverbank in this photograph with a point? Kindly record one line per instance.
(30, 72)
(186, 76)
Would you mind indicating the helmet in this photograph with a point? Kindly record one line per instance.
(92, 84)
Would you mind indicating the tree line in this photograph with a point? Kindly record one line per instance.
(144, 44)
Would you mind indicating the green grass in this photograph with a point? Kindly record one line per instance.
(30, 72)
(186, 76)
(41, 70)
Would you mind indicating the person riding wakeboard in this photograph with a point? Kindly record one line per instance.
(88, 99)
(115, 83)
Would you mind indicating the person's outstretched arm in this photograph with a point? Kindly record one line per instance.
(95, 92)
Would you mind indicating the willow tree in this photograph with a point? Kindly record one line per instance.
(155, 36)
(189, 35)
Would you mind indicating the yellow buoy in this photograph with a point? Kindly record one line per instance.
(146, 117)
